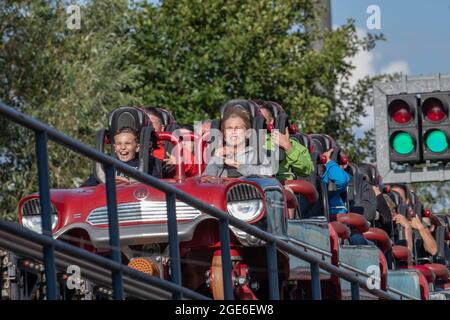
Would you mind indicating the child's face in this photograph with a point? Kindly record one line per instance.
(157, 124)
(235, 131)
(125, 146)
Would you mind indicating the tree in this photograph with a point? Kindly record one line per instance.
(67, 78)
(195, 55)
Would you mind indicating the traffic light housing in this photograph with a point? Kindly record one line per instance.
(404, 128)
(434, 110)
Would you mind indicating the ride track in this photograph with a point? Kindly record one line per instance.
(55, 252)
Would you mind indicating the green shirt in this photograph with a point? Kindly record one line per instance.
(297, 160)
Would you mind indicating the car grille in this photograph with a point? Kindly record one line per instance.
(144, 211)
(243, 192)
(32, 207)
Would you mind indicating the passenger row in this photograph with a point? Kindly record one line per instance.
(409, 234)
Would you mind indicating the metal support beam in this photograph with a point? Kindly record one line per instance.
(113, 225)
(272, 271)
(227, 266)
(46, 213)
(174, 249)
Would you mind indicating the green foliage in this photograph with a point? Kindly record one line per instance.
(68, 78)
(197, 54)
(434, 196)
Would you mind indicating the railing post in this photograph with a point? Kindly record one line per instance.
(1, 275)
(226, 259)
(46, 214)
(316, 293)
(355, 290)
(113, 226)
(272, 270)
(174, 249)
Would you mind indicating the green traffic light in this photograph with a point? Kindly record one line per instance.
(403, 143)
(436, 141)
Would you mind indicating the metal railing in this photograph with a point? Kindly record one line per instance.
(43, 132)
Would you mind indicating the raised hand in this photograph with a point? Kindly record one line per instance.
(281, 140)
(327, 154)
(401, 220)
(170, 160)
(416, 223)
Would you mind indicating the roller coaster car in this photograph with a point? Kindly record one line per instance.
(80, 217)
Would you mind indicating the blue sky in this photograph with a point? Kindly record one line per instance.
(417, 31)
(417, 36)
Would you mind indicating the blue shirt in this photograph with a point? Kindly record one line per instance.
(336, 174)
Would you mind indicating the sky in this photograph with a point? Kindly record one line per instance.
(417, 36)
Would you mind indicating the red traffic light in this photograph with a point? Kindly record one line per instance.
(426, 213)
(433, 110)
(400, 112)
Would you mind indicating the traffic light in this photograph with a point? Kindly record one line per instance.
(435, 126)
(403, 124)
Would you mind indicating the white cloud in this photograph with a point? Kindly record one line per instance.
(363, 61)
(396, 66)
(364, 66)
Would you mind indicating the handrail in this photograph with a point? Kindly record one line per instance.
(20, 231)
(173, 193)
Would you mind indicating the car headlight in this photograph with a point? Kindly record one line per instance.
(245, 210)
(244, 201)
(31, 215)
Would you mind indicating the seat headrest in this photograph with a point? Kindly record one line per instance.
(281, 119)
(327, 143)
(316, 145)
(412, 197)
(249, 105)
(402, 186)
(304, 140)
(352, 169)
(167, 119)
(395, 196)
(275, 108)
(127, 116)
(322, 140)
(372, 172)
(416, 204)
